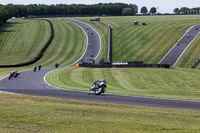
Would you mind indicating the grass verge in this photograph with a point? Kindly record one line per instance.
(41, 114)
(159, 83)
(143, 43)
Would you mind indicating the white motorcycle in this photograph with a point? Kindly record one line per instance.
(98, 87)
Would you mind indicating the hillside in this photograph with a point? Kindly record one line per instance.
(143, 43)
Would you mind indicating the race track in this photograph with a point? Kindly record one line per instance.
(179, 48)
(32, 83)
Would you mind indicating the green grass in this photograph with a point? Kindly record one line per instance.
(159, 83)
(102, 28)
(27, 37)
(23, 41)
(67, 46)
(41, 114)
(144, 43)
(190, 55)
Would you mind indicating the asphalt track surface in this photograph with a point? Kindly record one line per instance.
(179, 48)
(32, 83)
(93, 41)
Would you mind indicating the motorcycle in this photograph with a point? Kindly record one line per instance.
(16, 74)
(98, 87)
(10, 76)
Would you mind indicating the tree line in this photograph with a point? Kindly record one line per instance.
(6, 12)
(114, 9)
(186, 10)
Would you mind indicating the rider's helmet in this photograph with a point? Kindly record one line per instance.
(103, 80)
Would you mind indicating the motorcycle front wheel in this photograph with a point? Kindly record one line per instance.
(98, 91)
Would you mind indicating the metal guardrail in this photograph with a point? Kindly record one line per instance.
(195, 63)
(110, 45)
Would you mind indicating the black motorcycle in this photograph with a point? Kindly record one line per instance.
(98, 87)
(34, 68)
(16, 74)
(10, 76)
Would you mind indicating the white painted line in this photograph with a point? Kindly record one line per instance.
(186, 49)
(59, 87)
(95, 31)
(44, 78)
(175, 44)
(86, 44)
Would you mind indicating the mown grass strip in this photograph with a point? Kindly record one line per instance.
(142, 43)
(160, 83)
(67, 47)
(23, 41)
(41, 114)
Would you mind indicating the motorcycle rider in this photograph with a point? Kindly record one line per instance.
(56, 65)
(97, 83)
(11, 74)
(16, 73)
(34, 68)
(39, 67)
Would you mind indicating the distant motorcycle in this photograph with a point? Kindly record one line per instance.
(34, 68)
(98, 87)
(11, 75)
(16, 74)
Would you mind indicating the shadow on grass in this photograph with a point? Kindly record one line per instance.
(8, 25)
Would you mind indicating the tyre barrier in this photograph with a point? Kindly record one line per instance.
(136, 64)
(39, 56)
(195, 63)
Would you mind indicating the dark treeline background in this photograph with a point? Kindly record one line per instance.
(6, 12)
(115, 9)
(186, 10)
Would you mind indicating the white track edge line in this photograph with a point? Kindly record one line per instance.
(186, 49)
(175, 43)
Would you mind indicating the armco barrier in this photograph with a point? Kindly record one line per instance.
(110, 45)
(195, 63)
(138, 64)
(38, 57)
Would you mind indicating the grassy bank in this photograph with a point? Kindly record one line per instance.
(23, 41)
(159, 83)
(67, 46)
(190, 55)
(40, 114)
(145, 43)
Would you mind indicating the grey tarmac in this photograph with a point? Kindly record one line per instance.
(33, 83)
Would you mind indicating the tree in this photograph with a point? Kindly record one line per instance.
(153, 10)
(144, 10)
(177, 11)
(134, 8)
(127, 12)
(184, 10)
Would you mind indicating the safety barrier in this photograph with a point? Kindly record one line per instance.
(195, 63)
(39, 56)
(110, 45)
(136, 64)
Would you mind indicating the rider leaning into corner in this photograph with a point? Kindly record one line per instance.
(97, 83)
